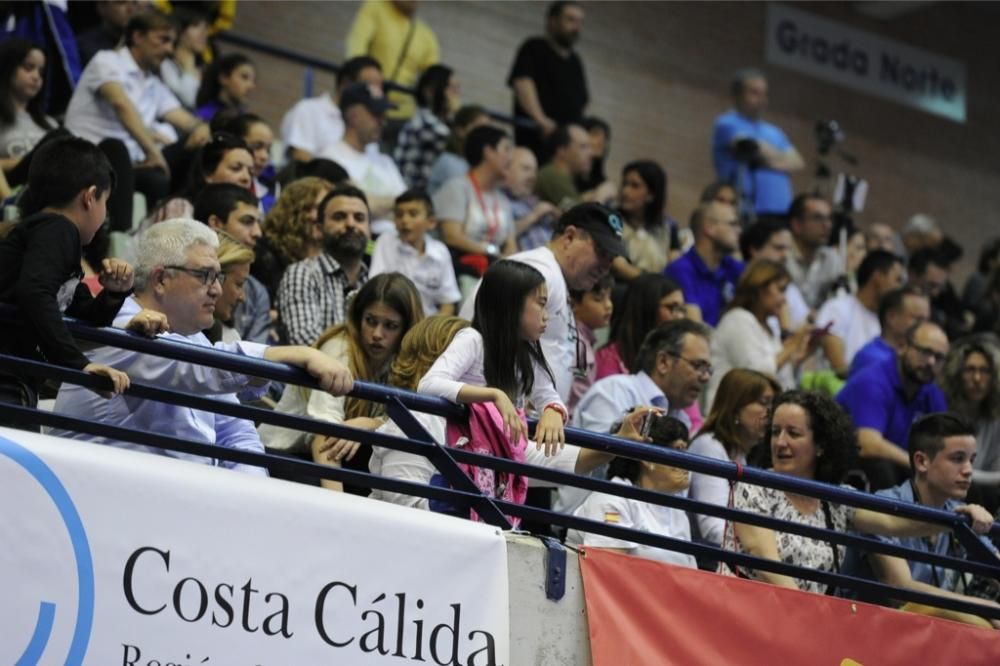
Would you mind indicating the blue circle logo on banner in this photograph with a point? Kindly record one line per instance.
(39, 639)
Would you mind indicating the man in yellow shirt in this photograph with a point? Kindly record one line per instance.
(404, 45)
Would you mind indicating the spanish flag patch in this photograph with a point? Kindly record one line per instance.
(612, 517)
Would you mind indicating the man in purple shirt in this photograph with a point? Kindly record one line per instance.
(706, 272)
(898, 311)
(886, 398)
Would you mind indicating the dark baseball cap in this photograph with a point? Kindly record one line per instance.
(599, 221)
(362, 93)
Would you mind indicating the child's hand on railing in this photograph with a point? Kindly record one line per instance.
(513, 427)
(549, 433)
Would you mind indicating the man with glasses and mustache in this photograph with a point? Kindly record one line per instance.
(885, 399)
(177, 282)
(313, 293)
(674, 369)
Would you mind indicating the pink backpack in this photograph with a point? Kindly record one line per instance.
(483, 434)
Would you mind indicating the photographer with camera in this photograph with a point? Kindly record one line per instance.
(754, 155)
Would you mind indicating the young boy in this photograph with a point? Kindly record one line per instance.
(412, 252)
(592, 310)
(66, 203)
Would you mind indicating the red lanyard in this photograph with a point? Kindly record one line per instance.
(492, 220)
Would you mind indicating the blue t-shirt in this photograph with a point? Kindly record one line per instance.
(856, 563)
(874, 352)
(709, 289)
(772, 189)
(874, 398)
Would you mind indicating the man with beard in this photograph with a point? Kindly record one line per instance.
(885, 398)
(585, 241)
(548, 80)
(707, 273)
(313, 293)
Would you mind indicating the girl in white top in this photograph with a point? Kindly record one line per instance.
(182, 71)
(743, 338)
(421, 347)
(499, 359)
(638, 515)
(736, 424)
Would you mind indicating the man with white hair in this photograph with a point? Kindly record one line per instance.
(177, 282)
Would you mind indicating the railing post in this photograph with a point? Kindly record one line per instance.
(444, 463)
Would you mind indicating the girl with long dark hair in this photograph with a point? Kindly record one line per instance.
(226, 84)
(499, 358)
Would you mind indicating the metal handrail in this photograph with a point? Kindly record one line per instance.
(465, 499)
(421, 444)
(444, 459)
(376, 392)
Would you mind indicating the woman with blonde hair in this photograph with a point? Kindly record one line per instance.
(292, 231)
(378, 317)
(748, 335)
(421, 346)
(235, 259)
(736, 424)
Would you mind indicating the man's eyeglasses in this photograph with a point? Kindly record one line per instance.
(701, 367)
(206, 275)
(930, 354)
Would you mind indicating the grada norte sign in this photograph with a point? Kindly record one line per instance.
(118, 558)
(866, 62)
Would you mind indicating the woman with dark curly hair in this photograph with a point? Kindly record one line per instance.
(811, 437)
(969, 382)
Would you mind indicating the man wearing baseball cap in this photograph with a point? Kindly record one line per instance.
(375, 173)
(586, 239)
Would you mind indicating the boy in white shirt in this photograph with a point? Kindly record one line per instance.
(410, 250)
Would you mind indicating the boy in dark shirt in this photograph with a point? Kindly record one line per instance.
(66, 203)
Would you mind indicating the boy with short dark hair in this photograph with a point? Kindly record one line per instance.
(592, 310)
(235, 211)
(231, 209)
(414, 253)
(65, 204)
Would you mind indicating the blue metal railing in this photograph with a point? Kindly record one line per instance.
(420, 443)
(312, 62)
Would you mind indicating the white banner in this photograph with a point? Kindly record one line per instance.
(116, 558)
(864, 61)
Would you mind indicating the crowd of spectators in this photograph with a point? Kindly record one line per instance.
(763, 334)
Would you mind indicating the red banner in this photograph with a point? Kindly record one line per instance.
(645, 612)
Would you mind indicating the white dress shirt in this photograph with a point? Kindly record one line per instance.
(91, 117)
(152, 416)
(851, 321)
(313, 124)
(432, 272)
